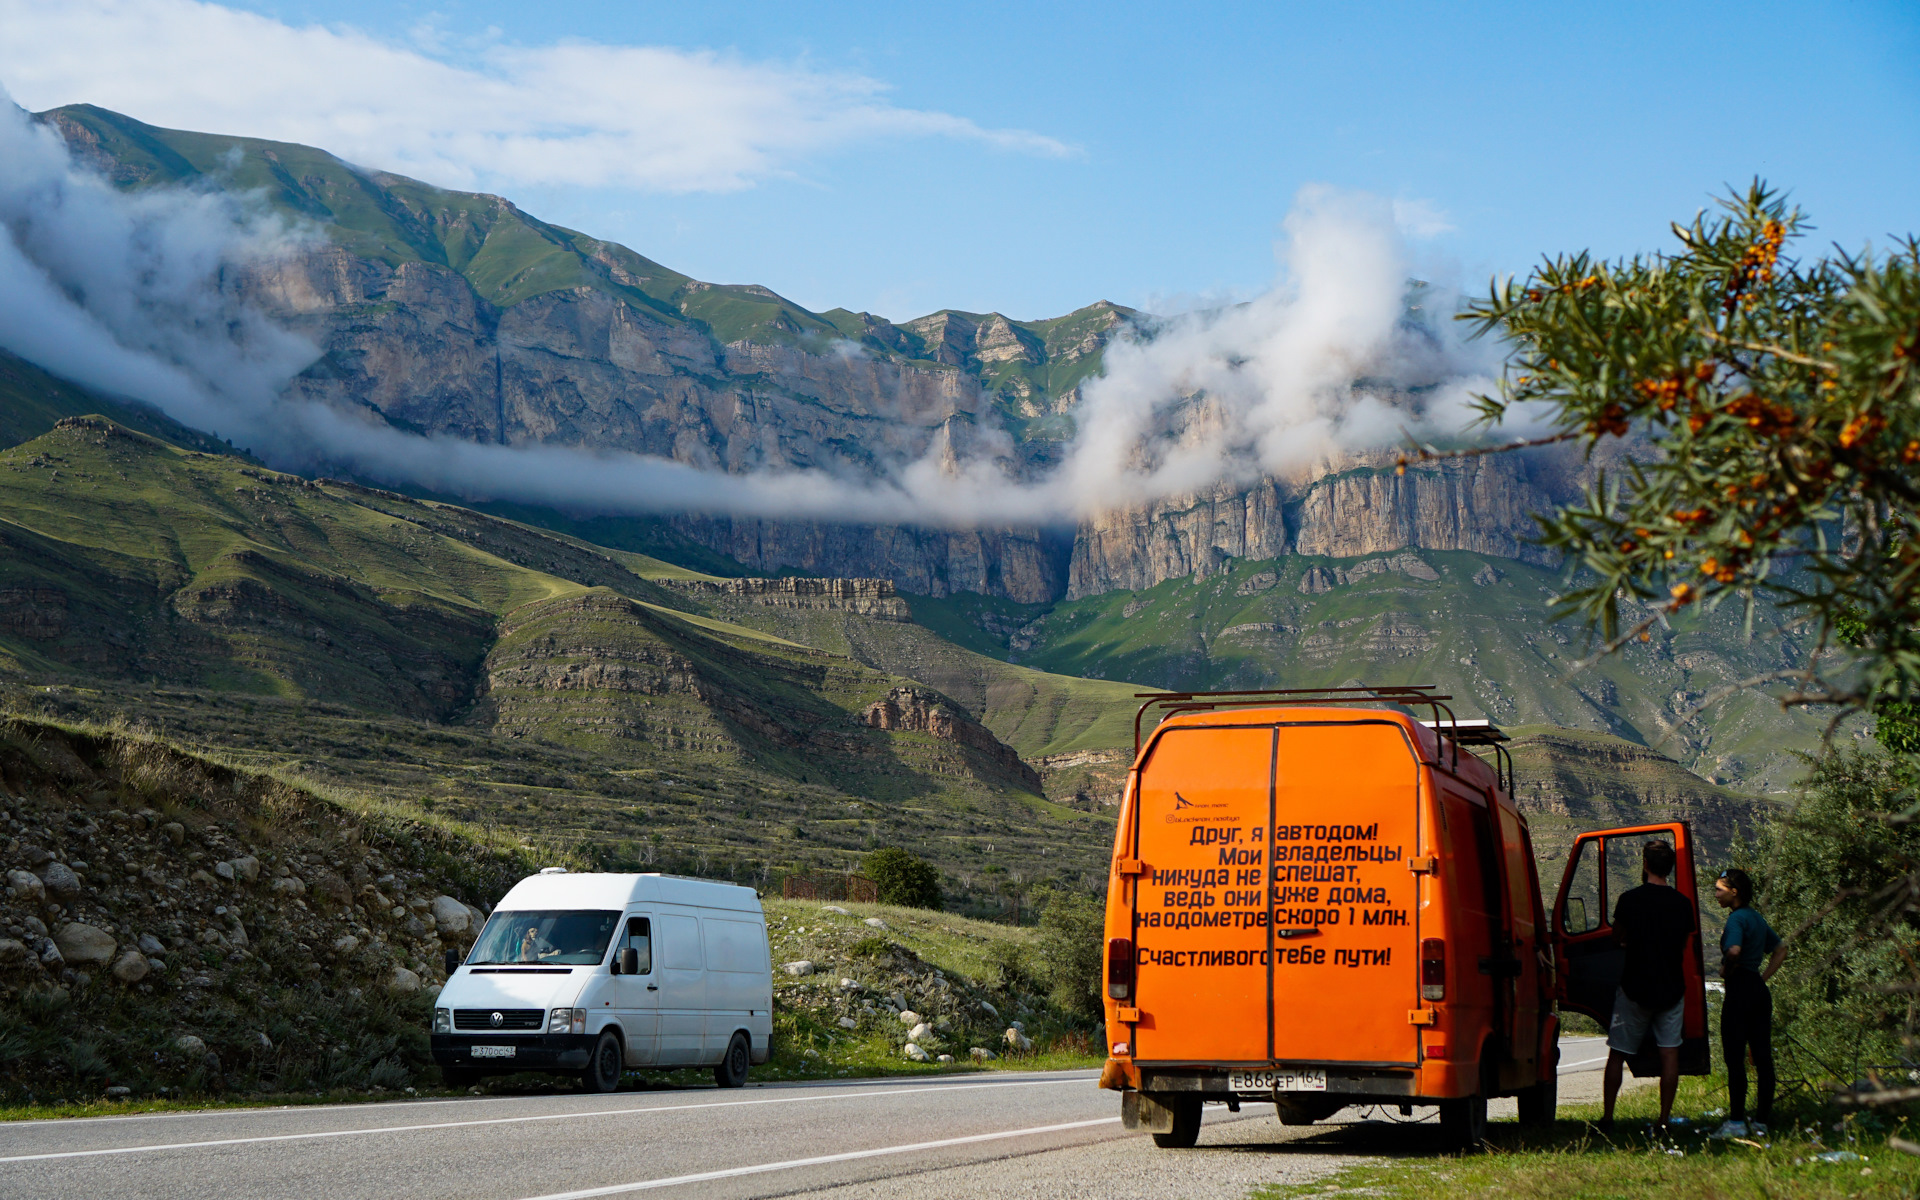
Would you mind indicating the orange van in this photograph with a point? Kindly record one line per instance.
(1317, 901)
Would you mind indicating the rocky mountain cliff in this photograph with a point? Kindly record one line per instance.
(457, 313)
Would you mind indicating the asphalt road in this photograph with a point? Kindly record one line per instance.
(1037, 1135)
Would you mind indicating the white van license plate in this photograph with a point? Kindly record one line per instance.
(1285, 1079)
(495, 1052)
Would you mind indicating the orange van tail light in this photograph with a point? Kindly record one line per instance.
(1433, 969)
(1120, 968)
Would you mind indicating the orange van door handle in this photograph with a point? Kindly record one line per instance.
(1130, 866)
(1422, 1016)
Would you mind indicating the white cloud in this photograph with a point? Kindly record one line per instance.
(1420, 218)
(573, 113)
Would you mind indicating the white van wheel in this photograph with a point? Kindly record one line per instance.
(606, 1066)
(732, 1070)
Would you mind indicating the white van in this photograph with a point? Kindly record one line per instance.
(588, 975)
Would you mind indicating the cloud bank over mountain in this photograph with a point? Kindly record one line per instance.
(581, 114)
(125, 292)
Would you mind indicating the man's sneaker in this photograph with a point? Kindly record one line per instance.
(1732, 1129)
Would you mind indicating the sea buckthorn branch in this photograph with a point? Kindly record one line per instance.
(1771, 410)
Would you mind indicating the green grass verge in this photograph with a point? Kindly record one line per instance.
(1574, 1161)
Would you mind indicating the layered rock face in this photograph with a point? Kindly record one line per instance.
(1344, 510)
(917, 710)
(1019, 564)
(875, 598)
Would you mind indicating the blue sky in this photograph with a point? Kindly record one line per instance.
(1170, 139)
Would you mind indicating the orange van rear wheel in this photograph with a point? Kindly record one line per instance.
(1463, 1122)
(1186, 1122)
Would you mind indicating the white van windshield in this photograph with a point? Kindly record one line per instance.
(559, 936)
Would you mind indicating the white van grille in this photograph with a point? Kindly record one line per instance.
(510, 1018)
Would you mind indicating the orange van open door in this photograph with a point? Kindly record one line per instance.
(1602, 865)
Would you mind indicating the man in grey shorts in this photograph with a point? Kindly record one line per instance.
(1652, 924)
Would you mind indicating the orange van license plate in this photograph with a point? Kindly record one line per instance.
(1284, 1079)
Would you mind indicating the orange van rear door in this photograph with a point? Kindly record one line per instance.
(1346, 936)
(1200, 907)
(1603, 864)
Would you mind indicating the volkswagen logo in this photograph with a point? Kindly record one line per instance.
(495, 1020)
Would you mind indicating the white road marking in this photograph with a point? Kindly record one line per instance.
(792, 1163)
(561, 1116)
(1565, 1067)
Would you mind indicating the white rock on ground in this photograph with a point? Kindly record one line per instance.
(224, 870)
(835, 908)
(802, 967)
(946, 1058)
(982, 1054)
(131, 967)
(27, 886)
(849, 1023)
(920, 1032)
(909, 1018)
(916, 1053)
(449, 915)
(850, 985)
(247, 868)
(190, 1045)
(80, 943)
(990, 1010)
(151, 945)
(403, 980)
(346, 943)
(290, 885)
(1018, 1041)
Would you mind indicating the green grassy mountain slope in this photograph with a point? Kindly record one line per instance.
(511, 677)
(1474, 625)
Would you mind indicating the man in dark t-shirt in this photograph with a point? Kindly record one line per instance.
(1652, 923)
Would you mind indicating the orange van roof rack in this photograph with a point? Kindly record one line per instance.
(1410, 694)
(1460, 733)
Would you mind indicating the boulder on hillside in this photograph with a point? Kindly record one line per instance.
(60, 881)
(450, 916)
(403, 981)
(247, 868)
(27, 886)
(131, 967)
(81, 944)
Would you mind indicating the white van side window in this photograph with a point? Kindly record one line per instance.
(734, 946)
(640, 938)
(679, 943)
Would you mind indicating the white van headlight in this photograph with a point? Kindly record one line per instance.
(567, 1020)
(443, 1020)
